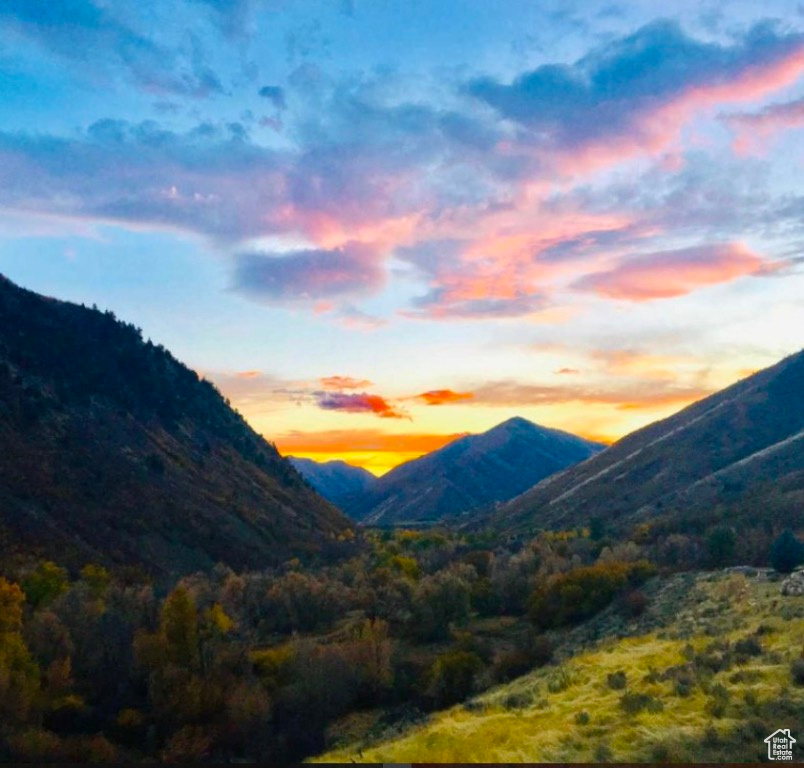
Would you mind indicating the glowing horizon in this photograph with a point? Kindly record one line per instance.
(588, 215)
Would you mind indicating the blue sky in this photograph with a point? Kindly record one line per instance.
(376, 225)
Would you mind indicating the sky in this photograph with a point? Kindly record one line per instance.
(379, 224)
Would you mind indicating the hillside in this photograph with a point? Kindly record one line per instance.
(710, 670)
(111, 451)
(336, 481)
(470, 473)
(723, 458)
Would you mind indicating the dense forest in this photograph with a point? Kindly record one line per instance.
(281, 664)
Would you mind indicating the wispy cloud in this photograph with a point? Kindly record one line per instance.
(667, 274)
(352, 270)
(275, 95)
(98, 39)
(753, 129)
(344, 382)
(623, 396)
(459, 188)
(636, 93)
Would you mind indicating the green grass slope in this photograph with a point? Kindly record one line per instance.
(704, 675)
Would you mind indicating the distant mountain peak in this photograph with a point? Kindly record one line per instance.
(336, 480)
(470, 473)
(515, 422)
(713, 458)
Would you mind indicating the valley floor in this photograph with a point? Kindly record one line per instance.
(711, 669)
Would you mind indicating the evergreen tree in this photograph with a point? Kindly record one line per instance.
(786, 552)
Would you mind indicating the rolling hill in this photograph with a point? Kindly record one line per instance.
(113, 452)
(469, 473)
(336, 481)
(737, 453)
(707, 672)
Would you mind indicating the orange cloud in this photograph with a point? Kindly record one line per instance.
(248, 374)
(344, 382)
(666, 274)
(443, 396)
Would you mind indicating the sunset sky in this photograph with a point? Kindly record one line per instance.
(379, 224)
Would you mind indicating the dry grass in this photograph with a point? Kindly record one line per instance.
(535, 718)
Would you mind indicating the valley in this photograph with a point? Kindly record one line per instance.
(173, 589)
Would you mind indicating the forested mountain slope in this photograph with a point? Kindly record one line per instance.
(111, 451)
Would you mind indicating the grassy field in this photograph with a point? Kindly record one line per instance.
(705, 674)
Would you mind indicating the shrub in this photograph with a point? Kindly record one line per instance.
(452, 676)
(635, 603)
(786, 552)
(634, 703)
(720, 699)
(617, 680)
(747, 647)
(716, 657)
(797, 671)
(603, 753)
(510, 665)
(574, 596)
(540, 650)
(560, 681)
(536, 651)
(519, 700)
(582, 718)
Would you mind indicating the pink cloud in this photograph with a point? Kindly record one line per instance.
(754, 128)
(666, 274)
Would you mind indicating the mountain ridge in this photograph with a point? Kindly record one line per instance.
(744, 437)
(471, 472)
(112, 451)
(335, 480)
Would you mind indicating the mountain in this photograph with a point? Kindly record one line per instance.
(469, 473)
(733, 456)
(113, 452)
(336, 481)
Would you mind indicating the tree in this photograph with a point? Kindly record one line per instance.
(597, 528)
(720, 545)
(452, 676)
(179, 626)
(45, 583)
(439, 601)
(786, 552)
(19, 674)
